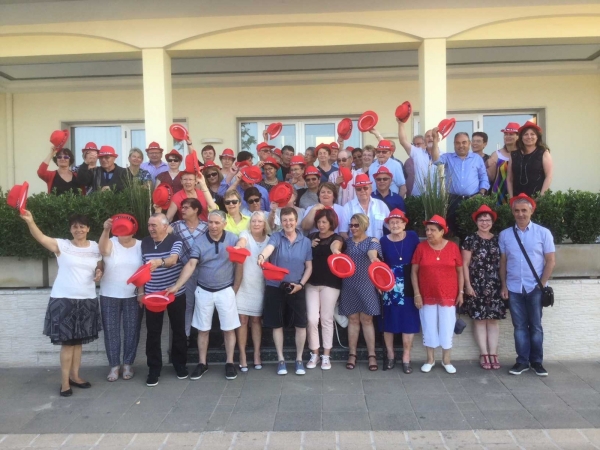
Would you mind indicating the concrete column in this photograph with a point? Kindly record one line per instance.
(10, 143)
(158, 102)
(432, 84)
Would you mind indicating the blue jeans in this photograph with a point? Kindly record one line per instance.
(526, 314)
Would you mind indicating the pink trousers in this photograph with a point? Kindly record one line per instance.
(320, 304)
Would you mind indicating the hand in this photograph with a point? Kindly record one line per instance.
(375, 260)
(238, 175)
(105, 188)
(155, 264)
(288, 177)
(504, 293)
(339, 180)
(260, 260)
(436, 134)
(399, 121)
(315, 242)
(140, 297)
(98, 274)
(188, 142)
(319, 206)
(172, 290)
(469, 291)
(373, 131)
(265, 135)
(200, 179)
(260, 163)
(418, 301)
(107, 224)
(459, 300)
(297, 288)
(27, 217)
(274, 206)
(157, 209)
(54, 150)
(336, 252)
(234, 169)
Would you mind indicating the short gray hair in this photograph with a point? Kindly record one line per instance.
(267, 229)
(162, 217)
(136, 150)
(218, 212)
(522, 200)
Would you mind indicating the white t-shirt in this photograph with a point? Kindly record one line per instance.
(423, 165)
(376, 212)
(118, 267)
(76, 270)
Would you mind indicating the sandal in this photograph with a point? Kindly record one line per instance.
(406, 367)
(486, 362)
(350, 365)
(391, 363)
(494, 361)
(113, 375)
(373, 367)
(127, 372)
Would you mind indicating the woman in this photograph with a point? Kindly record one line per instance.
(250, 295)
(252, 197)
(497, 164)
(399, 313)
(323, 287)
(360, 299)
(437, 279)
(481, 267)
(368, 154)
(270, 168)
(236, 221)
(325, 167)
(172, 176)
(66, 181)
(136, 158)
(275, 213)
(357, 162)
(203, 194)
(530, 165)
(290, 250)
(73, 314)
(122, 257)
(328, 195)
(227, 159)
(213, 177)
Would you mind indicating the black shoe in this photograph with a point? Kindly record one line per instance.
(152, 380)
(66, 393)
(182, 372)
(539, 369)
(230, 372)
(199, 371)
(85, 385)
(518, 369)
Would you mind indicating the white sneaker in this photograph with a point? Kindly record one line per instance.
(449, 368)
(325, 362)
(427, 367)
(313, 361)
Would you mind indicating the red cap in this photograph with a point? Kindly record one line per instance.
(59, 138)
(362, 179)
(385, 144)
(367, 121)
(512, 127)
(523, 196)
(396, 214)
(438, 220)
(403, 112)
(270, 160)
(191, 163)
(141, 276)
(277, 151)
(274, 129)
(174, 153)
(124, 225)
(334, 146)
(107, 150)
(382, 276)
(530, 124)
(344, 128)
(341, 265)
(312, 170)
(237, 255)
(273, 273)
(298, 160)
(227, 153)
(178, 132)
(320, 146)
(89, 147)
(157, 301)
(251, 175)
(162, 195)
(281, 193)
(17, 197)
(264, 145)
(154, 146)
(382, 171)
(446, 126)
(210, 165)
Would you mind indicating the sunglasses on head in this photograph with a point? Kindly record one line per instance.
(63, 157)
(252, 201)
(353, 225)
(231, 202)
(360, 189)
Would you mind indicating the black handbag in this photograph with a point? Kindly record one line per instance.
(547, 292)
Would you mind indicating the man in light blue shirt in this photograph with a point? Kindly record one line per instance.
(519, 285)
(155, 165)
(383, 152)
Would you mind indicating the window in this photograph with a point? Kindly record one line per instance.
(299, 133)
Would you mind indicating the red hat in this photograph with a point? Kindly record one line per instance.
(210, 165)
(367, 121)
(179, 132)
(277, 151)
(158, 301)
(385, 144)
(274, 129)
(382, 276)
(107, 150)
(154, 146)
(346, 174)
(273, 273)
(270, 160)
(141, 276)
(298, 160)
(446, 126)
(59, 138)
(312, 170)
(251, 175)
(396, 214)
(341, 265)
(90, 146)
(512, 127)
(17, 197)
(403, 112)
(174, 153)
(227, 153)
(240, 164)
(382, 171)
(530, 124)
(191, 163)
(349, 149)
(323, 145)
(281, 193)
(334, 146)
(344, 128)
(523, 196)
(362, 179)
(263, 145)
(438, 220)
(162, 195)
(237, 255)
(484, 209)
(124, 225)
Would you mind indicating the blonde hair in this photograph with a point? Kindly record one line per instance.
(233, 193)
(267, 227)
(362, 219)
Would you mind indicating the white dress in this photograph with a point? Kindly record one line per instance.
(250, 295)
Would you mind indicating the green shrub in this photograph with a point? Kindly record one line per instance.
(582, 216)
(416, 214)
(469, 206)
(549, 213)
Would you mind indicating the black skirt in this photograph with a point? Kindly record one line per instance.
(72, 321)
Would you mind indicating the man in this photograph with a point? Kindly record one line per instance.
(297, 165)
(208, 153)
(245, 178)
(335, 148)
(107, 176)
(217, 282)
(308, 196)
(264, 151)
(383, 182)
(465, 176)
(309, 156)
(162, 251)
(189, 229)
(90, 157)
(376, 210)
(287, 151)
(383, 153)
(479, 141)
(155, 165)
(422, 157)
(519, 285)
(345, 194)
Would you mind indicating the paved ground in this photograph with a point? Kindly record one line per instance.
(336, 400)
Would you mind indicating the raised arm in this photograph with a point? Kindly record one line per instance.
(47, 242)
(435, 150)
(309, 220)
(403, 138)
(171, 211)
(104, 244)
(210, 201)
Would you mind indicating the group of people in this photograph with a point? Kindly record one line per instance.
(332, 208)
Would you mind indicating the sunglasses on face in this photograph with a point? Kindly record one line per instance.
(381, 180)
(342, 160)
(381, 152)
(353, 225)
(360, 189)
(231, 202)
(63, 157)
(212, 174)
(252, 201)
(172, 160)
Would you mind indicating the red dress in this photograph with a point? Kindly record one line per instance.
(181, 196)
(438, 279)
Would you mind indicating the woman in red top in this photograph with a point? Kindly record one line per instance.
(188, 180)
(437, 278)
(66, 180)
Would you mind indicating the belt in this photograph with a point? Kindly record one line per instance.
(207, 289)
(462, 197)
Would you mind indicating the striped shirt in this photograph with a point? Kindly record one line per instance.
(162, 277)
(181, 230)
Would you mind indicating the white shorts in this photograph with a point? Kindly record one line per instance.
(437, 323)
(206, 302)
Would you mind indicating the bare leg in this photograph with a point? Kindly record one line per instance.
(480, 334)
(202, 346)
(407, 342)
(229, 345)
(278, 340)
(300, 340)
(389, 344)
(368, 332)
(446, 356)
(256, 326)
(430, 355)
(353, 330)
(493, 333)
(242, 339)
(66, 360)
(76, 364)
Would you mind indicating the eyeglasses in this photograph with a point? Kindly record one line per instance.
(360, 189)
(382, 152)
(484, 220)
(211, 175)
(382, 179)
(231, 202)
(353, 225)
(63, 157)
(311, 180)
(185, 207)
(172, 160)
(342, 160)
(252, 201)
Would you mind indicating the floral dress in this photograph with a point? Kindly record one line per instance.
(484, 273)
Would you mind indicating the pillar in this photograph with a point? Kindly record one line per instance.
(10, 143)
(158, 101)
(432, 84)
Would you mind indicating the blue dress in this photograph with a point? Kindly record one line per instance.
(399, 313)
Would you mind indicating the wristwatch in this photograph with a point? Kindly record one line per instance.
(163, 262)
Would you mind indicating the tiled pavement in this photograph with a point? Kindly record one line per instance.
(337, 400)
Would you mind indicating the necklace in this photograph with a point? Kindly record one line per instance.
(401, 247)
(438, 252)
(156, 245)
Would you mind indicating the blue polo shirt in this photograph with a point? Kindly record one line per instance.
(392, 200)
(215, 271)
(290, 256)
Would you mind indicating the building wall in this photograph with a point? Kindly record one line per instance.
(571, 104)
(3, 156)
